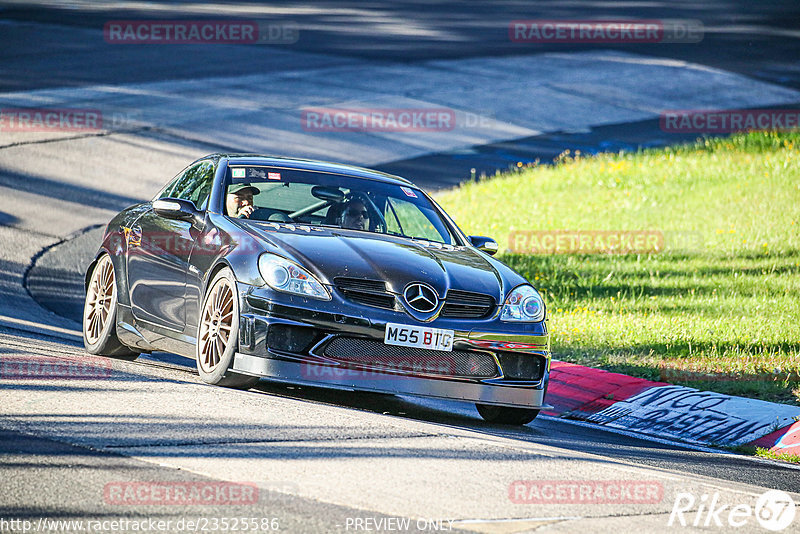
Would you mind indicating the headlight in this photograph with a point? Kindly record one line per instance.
(523, 304)
(283, 275)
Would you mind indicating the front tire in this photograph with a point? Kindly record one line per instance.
(100, 313)
(505, 415)
(218, 334)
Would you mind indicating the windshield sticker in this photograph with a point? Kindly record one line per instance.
(238, 173)
(274, 176)
(409, 192)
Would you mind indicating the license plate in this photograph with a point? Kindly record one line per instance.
(418, 336)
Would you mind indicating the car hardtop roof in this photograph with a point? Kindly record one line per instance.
(311, 165)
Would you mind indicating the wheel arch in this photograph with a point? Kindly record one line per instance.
(117, 260)
(90, 268)
(221, 264)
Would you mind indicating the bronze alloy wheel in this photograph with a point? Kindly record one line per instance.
(100, 313)
(216, 325)
(102, 293)
(218, 334)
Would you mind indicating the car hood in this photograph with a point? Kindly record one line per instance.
(331, 253)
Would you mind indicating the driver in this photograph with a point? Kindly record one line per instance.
(355, 215)
(239, 202)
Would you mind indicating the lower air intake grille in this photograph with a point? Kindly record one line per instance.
(390, 357)
(290, 338)
(520, 366)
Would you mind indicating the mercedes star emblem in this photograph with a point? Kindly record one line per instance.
(421, 297)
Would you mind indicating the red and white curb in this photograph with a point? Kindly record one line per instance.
(668, 411)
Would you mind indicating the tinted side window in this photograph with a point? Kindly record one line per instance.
(192, 184)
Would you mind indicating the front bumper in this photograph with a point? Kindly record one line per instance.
(349, 379)
(261, 311)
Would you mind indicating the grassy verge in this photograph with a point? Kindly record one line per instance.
(761, 452)
(765, 453)
(717, 307)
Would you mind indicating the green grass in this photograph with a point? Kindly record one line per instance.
(761, 452)
(784, 457)
(718, 308)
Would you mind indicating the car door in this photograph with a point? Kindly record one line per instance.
(159, 250)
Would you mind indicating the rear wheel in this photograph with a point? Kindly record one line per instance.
(100, 313)
(218, 334)
(505, 415)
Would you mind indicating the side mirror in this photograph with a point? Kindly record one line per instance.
(175, 208)
(484, 244)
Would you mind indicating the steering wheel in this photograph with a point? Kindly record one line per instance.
(379, 226)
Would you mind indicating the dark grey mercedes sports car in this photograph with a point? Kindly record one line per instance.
(318, 273)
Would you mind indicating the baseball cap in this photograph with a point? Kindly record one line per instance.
(239, 188)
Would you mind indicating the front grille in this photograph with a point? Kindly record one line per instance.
(288, 338)
(360, 284)
(369, 292)
(376, 354)
(521, 366)
(467, 305)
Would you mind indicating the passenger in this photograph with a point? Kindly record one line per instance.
(355, 216)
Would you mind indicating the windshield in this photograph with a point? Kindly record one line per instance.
(313, 198)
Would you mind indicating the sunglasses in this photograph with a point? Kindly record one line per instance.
(356, 213)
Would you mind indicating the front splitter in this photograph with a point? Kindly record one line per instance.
(340, 378)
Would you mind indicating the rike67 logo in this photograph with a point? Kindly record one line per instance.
(774, 511)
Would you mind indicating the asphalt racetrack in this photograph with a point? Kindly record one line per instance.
(322, 460)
